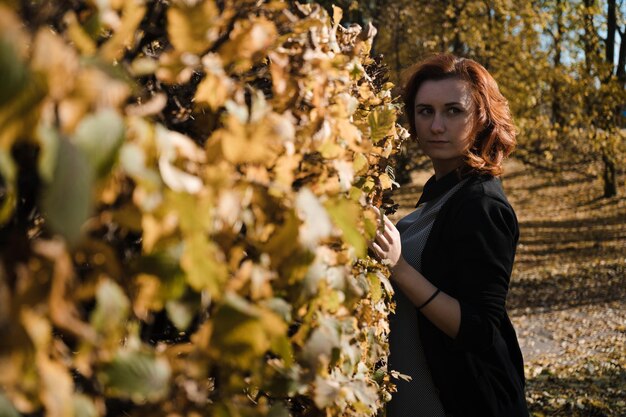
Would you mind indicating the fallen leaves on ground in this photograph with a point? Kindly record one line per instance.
(567, 290)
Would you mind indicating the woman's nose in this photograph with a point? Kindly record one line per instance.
(437, 125)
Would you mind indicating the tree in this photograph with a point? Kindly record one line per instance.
(554, 60)
(587, 94)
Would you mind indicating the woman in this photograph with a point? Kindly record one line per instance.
(451, 259)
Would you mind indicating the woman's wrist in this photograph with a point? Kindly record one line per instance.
(408, 277)
(396, 270)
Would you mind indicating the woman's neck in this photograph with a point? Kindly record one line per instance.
(442, 168)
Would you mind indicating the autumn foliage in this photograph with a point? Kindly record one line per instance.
(183, 210)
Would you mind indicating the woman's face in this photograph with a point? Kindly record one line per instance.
(443, 122)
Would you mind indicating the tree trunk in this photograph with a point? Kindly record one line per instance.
(556, 88)
(589, 35)
(611, 26)
(609, 176)
(621, 60)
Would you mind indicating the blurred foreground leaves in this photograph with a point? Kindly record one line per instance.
(184, 210)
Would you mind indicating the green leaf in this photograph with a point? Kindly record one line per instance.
(8, 195)
(238, 334)
(322, 341)
(199, 261)
(280, 244)
(278, 410)
(181, 312)
(19, 115)
(6, 408)
(281, 346)
(112, 307)
(67, 199)
(326, 391)
(84, 406)
(138, 376)
(345, 214)
(13, 72)
(381, 122)
(243, 332)
(100, 136)
(49, 148)
(165, 265)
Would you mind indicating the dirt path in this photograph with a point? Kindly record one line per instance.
(568, 290)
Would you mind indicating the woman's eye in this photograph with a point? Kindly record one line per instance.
(424, 111)
(454, 110)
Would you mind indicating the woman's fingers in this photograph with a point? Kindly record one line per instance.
(389, 223)
(390, 230)
(385, 236)
(377, 250)
(388, 233)
(383, 241)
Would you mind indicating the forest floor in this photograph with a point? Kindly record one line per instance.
(567, 298)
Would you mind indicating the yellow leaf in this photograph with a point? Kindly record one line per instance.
(248, 42)
(57, 61)
(194, 212)
(56, 388)
(370, 223)
(124, 35)
(216, 86)
(38, 328)
(78, 35)
(345, 214)
(204, 265)
(330, 150)
(279, 65)
(337, 15)
(97, 88)
(361, 165)
(151, 107)
(193, 26)
(247, 143)
(376, 290)
(146, 295)
(285, 169)
(385, 181)
(62, 313)
(173, 69)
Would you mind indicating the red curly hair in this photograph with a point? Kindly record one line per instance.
(493, 131)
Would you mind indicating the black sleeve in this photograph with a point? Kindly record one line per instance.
(485, 234)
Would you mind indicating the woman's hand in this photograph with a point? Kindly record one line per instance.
(387, 244)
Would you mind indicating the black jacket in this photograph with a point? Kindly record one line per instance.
(469, 255)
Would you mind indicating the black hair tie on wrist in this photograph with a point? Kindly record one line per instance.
(432, 297)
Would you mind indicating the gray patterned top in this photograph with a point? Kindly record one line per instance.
(419, 396)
